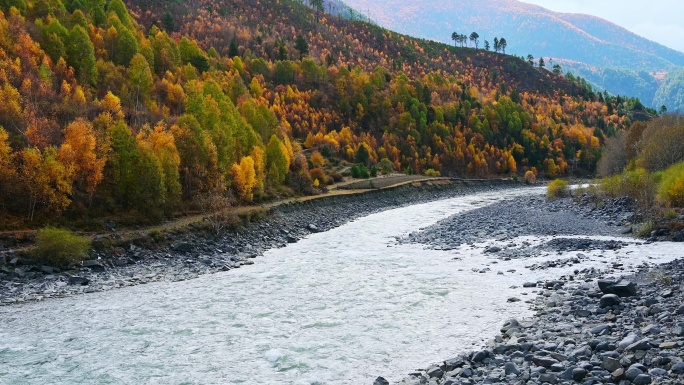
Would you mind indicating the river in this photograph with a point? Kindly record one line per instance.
(339, 307)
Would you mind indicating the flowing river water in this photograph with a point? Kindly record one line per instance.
(339, 307)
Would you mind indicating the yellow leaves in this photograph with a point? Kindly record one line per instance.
(7, 169)
(112, 104)
(595, 143)
(47, 180)
(244, 177)
(161, 142)
(78, 154)
(317, 159)
(512, 166)
(79, 97)
(11, 106)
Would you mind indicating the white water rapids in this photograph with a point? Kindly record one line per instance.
(339, 307)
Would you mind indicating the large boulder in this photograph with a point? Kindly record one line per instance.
(93, 264)
(619, 288)
(609, 300)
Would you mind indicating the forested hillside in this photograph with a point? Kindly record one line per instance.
(609, 56)
(145, 108)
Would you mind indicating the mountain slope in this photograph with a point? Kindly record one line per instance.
(529, 29)
(144, 109)
(589, 41)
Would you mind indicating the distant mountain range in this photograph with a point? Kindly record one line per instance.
(607, 55)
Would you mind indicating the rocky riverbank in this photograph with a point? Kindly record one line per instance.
(586, 329)
(583, 332)
(186, 255)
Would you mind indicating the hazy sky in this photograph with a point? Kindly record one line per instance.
(658, 20)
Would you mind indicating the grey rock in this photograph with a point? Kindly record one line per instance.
(621, 288)
(678, 367)
(548, 378)
(79, 281)
(380, 381)
(609, 300)
(611, 364)
(618, 374)
(642, 379)
(184, 247)
(545, 362)
(584, 351)
(600, 329)
(657, 372)
(668, 345)
(578, 374)
(627, 341)
(511, 368)
(93, 264)
(643, 344)
(632, 373)
(454, 363)
(434, 371)
(479, 356)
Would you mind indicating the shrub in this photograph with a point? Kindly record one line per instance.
(614, 157)
(530, 178)
(661, 144)
(645, 230)
(432, 172)
(360, 171)
(557, 189)
(355, 173)
(317, 159)
(671, 188)
(386, 166)
(318, 174)
(638, 184)
(220, 213)
(59, 247)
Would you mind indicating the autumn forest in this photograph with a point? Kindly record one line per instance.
(111, 107)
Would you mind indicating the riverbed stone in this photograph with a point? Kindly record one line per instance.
(479, 356)
(609, 300)
(435, 371)
(578, 374)
(511, 368)
(79, 281)
(643, 344)
(611, 364)
(642, 379)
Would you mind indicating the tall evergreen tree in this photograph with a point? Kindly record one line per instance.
(81, 55)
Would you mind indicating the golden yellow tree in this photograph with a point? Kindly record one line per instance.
(78, 153)
(244, 177)
(46, 180)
